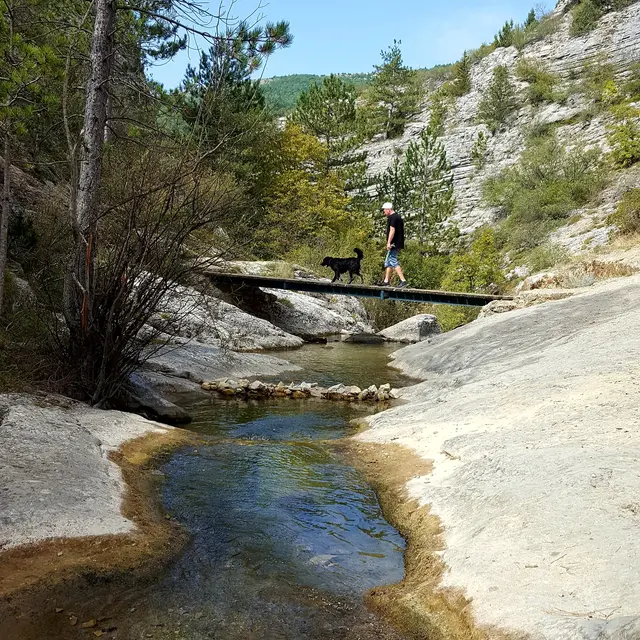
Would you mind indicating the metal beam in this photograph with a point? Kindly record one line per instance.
(358, 290)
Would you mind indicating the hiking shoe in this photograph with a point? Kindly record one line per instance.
(403, 284)
(381, 283)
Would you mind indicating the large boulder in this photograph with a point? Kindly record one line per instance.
(57, 478)
(198, 362)
(140, 397)
(317, 315)
(414, 329)
(191, 314)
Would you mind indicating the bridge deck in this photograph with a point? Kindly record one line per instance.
(407, 294)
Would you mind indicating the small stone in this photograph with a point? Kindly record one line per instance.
(394, 394)
(89, 624)
(98, 633)
(73, 620)
(385, 387)
(298, 394)
(59, 610)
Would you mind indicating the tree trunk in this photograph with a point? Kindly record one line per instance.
(4, 216)
(79, 285)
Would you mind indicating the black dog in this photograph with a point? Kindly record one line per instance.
(342, 265)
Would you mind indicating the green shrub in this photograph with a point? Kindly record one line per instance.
(481, 52)
(624, 139)
(611, 95)
(425, 272)
(627, 216)
(631, 88)
(450, 317)
(585, 17)
(499, 100)
(544, 256)
(597, 73)
(541, 82)
(441, 101)
(504, 37)
(478, 268)
(461, 82)
(479, 151)
(539, 192)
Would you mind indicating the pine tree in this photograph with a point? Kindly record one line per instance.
(395, 93)
(328, 111)
(531, 20)
(431, 196)
(461, 83)
(504, 37)
(24, 63)
(394, 186)
(499, 100)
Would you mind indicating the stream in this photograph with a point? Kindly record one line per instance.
(285, 537)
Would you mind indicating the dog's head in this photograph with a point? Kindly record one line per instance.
(326, 262)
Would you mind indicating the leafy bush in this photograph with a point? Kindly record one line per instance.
(475, 270)
(543, 188)
(479, 151)
(624, 139)
(597, 73)
(541, 82)
(481, 52)
(631, 88)
(627, 216)
(499, 100)
(439, 107)
(478, 268)
(544, 256)
(585, 17)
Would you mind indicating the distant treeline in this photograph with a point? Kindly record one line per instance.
(281, 92)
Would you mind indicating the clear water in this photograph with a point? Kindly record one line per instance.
(285, 537)
(344, 362)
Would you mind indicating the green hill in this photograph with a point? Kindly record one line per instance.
(281, 92)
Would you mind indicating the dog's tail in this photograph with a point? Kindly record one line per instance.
(359, 253)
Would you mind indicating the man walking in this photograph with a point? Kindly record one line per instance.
(395, 242)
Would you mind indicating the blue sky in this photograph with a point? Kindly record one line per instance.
(347, 35)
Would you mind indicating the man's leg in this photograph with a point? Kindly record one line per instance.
(387, 274)
(399, 272)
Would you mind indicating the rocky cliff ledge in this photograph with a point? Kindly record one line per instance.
(615, 40)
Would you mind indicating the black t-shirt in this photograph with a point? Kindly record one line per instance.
(395, 221)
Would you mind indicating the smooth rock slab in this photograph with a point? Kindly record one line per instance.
(56, 478)
(532, 421)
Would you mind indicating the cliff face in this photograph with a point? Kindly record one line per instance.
(616, 40)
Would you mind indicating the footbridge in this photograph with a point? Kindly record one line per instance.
(238, 282)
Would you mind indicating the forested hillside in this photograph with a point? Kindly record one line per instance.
(282, 92)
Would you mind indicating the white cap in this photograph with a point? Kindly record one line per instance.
(387, 205)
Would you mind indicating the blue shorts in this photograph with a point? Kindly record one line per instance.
(392, 259)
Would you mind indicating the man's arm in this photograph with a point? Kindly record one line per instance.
(392, 232)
